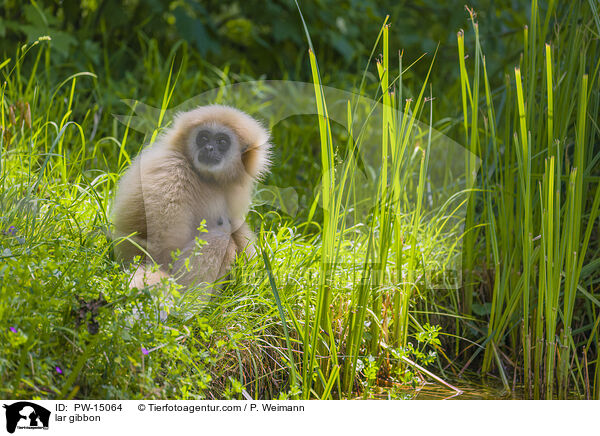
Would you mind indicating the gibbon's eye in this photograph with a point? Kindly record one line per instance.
(223, 141)
(203, 137)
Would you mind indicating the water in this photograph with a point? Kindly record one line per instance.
(472, 389)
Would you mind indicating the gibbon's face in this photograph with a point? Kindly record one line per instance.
(213, 147)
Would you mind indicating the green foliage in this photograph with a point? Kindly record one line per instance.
(94, 35)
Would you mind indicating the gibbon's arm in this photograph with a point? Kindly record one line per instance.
(170, 220)
(244, 240)
(152, 202)
(144, 276)
(129, 215)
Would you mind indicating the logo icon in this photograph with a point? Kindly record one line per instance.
(26, 415)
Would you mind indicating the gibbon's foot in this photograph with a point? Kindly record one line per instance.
(143, 277)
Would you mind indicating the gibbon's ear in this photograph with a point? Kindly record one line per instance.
(256, 157)
(256, 148)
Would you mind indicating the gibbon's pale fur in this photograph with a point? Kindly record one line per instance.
(168, 191)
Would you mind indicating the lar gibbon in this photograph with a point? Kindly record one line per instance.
(202, 169)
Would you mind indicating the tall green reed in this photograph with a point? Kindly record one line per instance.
(537, 162)
(378, 319)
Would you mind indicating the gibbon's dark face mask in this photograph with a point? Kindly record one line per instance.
(212, 146)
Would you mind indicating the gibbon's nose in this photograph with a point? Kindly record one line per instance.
(209, 147)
